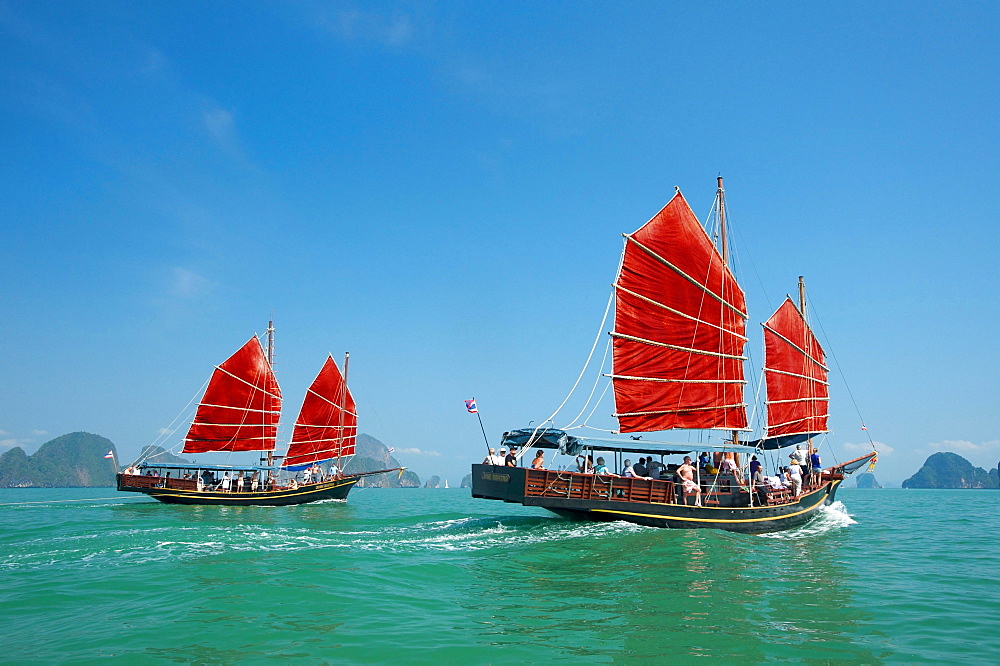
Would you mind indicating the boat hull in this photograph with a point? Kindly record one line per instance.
(336, 489)
(519, 485)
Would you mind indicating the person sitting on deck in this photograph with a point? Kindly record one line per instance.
(653, 468)
(511, 459)
(539, 461)
(640, 468)
(490, 458)
(686, 472)
(629, 472)
(601, 468)
(756, 471)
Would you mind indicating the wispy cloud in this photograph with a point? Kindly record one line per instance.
(395, 29)
(186, 284)
(221, 128)
(418, 452)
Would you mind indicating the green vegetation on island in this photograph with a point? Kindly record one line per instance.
(75, 460)
(950, 470)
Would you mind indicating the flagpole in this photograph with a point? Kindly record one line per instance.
(472, 403)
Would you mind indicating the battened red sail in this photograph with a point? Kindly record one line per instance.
(680, 324)
(241, 406)
(796, 375)
(327, 425)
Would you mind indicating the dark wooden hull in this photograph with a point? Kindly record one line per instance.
(651, 503)
(335, 489)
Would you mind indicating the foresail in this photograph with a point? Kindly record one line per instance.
(241, 406)
(680, 325)
(327, 424)
(796, 375)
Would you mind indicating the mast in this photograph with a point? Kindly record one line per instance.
(340, 430)
(802, 311)
(721, 197)
(270, 363)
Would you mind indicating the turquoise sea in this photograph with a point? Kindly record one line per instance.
(890, 576)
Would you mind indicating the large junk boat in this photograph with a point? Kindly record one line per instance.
(239, 412)
(678, 363)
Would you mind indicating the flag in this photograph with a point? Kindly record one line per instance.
(390, 449)
(109, 454)
(471, 406)
(864, 427)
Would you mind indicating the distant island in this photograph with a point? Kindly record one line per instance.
(77, 460)
(950, 470)
(867, 480)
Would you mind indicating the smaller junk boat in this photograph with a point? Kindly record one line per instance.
(239, 412)
(677, 349)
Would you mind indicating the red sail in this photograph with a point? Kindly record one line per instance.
(327, 426)
(794, 365)
(241, 406)
(680, 324)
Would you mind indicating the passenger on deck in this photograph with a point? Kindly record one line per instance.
(728, 466)
(686, 472)
(490, 458)
(653, 468)
(756, 471)
(817, 466)
(640, 468)
(227, 483)
(627, 470)
(601, 468)
(585, 464)
(240, 481)
(703, 460)
(501, 458)
(511, 459)
(254, 481)
(307, 474)
(539, 460)
(795, 476)
(800, 456)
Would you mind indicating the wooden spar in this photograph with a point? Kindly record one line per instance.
(802, 311)
(270, 364)
(343, 400)
(723, 242)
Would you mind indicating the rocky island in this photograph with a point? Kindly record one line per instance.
(950, 470)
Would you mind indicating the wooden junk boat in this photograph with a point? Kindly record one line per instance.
(239, 412)
(678, 355)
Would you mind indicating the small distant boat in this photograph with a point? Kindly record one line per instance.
(446, 483)
(239, 412)
(678, 363)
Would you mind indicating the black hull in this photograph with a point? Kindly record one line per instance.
(511, 484)
(336, 489)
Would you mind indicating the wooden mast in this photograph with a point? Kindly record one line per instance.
(270, 364)
(724, 247)
(343, 400)
(802, 311)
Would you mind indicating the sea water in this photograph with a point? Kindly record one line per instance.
(419, 575)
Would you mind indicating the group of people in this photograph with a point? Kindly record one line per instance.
(509, 458)
(802, 467)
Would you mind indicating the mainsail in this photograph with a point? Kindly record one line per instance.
(796, 376)
(327, 424)
(680, 324)
(241, 406)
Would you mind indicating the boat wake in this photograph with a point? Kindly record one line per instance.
(829, 519)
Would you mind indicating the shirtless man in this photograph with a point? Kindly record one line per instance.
(686, 472)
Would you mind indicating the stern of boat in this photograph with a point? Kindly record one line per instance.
(498, 483)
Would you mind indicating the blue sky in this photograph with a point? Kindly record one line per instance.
(440, 189)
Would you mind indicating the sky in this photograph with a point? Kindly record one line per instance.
(440, 188)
